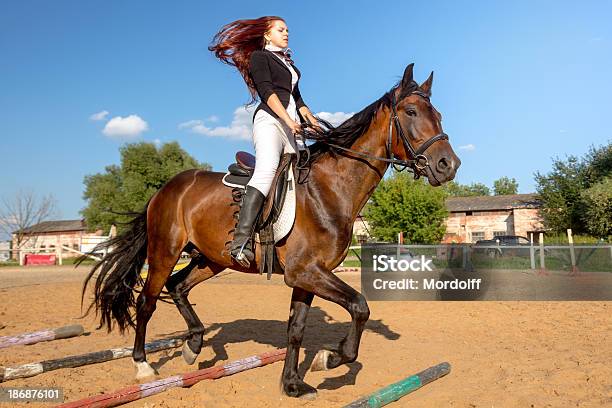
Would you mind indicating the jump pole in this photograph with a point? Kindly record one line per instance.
(396, 391)
(43, 335)
(138, 391)
(32, 369)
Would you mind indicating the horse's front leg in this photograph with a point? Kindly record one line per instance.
(326, 285)
(292, 384)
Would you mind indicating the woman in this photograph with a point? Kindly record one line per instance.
(259, 50)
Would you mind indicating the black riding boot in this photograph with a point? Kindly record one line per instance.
(241, 248)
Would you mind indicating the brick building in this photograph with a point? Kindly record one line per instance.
(484, 217)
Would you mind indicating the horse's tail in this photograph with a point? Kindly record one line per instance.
(118, 274)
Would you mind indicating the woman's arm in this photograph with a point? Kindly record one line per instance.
(260, 72)
(307, 114)
(303, 109)
(275, 104)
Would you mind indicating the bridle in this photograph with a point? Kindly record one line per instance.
(417, 161)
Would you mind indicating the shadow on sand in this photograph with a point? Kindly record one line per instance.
(321, 330)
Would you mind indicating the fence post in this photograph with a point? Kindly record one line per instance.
(542, 261)
(58, 249)
(572, 252)
(531, 251)
(399, 243)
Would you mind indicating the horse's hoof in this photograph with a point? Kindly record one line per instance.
(309, 396)
(188, 355)
(144, 370)
(300, 390)
(320, 361)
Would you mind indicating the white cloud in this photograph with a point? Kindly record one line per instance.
(335, 118)
(241, 127)
(469, 147)
(130, 126)
(157, 142)
(99, 116)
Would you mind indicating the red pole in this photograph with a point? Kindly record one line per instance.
(138, 391)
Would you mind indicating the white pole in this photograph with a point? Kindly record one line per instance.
(58, 249)
(399, 242)
(542, 261)
(531, 251)
(572, 252)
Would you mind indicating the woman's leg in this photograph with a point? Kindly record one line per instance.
(268, 148)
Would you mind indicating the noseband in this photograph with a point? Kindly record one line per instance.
(417, 161)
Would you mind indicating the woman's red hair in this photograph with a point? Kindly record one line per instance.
(236, 41)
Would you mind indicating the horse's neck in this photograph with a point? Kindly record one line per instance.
(354, 179)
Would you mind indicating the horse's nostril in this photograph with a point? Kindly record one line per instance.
(442, 164)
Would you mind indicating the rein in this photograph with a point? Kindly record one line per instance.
(418, 161)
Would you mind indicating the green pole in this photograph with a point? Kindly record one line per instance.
(397, 390)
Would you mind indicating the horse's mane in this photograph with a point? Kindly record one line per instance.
(353, 128)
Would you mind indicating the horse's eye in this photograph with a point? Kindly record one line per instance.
(411, 112)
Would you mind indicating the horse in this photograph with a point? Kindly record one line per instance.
(192, 212)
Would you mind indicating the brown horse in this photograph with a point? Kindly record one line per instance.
(192, 212)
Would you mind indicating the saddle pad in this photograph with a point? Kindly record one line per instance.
(285, 221)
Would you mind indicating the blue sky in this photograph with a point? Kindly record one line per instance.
(517, 82)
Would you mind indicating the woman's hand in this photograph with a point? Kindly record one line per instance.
(313, 122)
(294, 126)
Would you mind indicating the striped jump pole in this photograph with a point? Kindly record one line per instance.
(32, 369)
(396, 391)
(43, 335)
(138, 391)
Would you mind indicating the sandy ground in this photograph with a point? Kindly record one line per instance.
(503, 354)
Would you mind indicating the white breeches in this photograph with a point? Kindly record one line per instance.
(271, 139)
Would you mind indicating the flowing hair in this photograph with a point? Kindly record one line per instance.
(235, 43)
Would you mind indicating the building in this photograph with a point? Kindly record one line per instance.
(484, 217)
(50, 235)
(361, 229)
(5, 253)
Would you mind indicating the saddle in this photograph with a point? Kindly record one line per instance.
(238, 176)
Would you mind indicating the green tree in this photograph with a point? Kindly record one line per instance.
(566, 195)
(401, 203)
(454, 189)
(504, 186)
(598, 164)
(126, 188)
(598, 204)
(559, 192)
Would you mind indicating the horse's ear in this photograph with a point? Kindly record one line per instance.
(407, 79)
(426, 86)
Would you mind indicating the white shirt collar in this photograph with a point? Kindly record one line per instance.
(271, 47)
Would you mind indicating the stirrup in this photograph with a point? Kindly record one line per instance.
(240, 257)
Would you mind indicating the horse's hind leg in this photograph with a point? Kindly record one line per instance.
(161, 262)
(179, 286)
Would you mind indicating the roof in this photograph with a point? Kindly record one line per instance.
(488, 203)
(55, 226)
